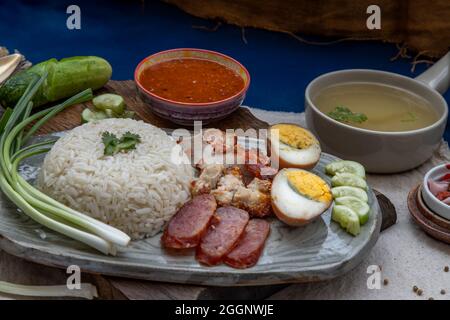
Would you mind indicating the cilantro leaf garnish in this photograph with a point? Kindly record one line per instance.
(344, 114)
(113, 145)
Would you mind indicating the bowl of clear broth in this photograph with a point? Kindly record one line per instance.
(388, 122)
(188, 85)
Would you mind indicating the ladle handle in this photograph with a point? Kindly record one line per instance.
(438, 76)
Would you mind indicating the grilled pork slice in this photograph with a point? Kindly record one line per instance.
(190, 223)
(249, 248)
(226, 228)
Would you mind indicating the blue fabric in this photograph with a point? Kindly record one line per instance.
(125, 32)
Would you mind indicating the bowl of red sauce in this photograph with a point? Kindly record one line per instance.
(187, 85)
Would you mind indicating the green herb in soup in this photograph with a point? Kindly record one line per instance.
(344, 114)
(375, 107)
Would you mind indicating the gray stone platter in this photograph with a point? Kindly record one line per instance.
(318, 251)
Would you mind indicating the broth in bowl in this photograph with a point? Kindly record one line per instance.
(375, 107)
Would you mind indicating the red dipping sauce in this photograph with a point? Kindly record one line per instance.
(191, 80)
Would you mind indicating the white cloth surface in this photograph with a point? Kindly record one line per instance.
(407, 256)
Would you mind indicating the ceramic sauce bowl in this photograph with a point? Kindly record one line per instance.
(186, 113)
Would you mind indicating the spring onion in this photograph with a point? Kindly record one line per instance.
(86, 291)
(31, 201)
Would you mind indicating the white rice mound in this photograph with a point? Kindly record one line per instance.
(136, 192)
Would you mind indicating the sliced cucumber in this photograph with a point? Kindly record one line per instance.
(88, 115)
(361, 208)
(348, 179)
(110, 101)
(347, 219)
(346, 191)
(345, 166)
(128, 114)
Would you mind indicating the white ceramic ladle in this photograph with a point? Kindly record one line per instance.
(382, 152)
(8, 64)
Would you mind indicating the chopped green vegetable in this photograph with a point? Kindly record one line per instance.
(109, 101)
(344, 114)
(361, 208)
(4, 119)
(128, 114)
(86, 291)
(107, 106)
(88, 115)
(345, 191)
(114, 145)
(347, 219)
(342, 166)
(411, 117)
(348, 179)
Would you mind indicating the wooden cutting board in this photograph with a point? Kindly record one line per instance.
(71, 117)
(119, 288)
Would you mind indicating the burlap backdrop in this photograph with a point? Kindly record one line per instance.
(422, 25)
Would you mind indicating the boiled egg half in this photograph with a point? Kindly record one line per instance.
(299, 196)
(294, 146)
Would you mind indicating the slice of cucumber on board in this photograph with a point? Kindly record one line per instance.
(110, 101)
(88, 115)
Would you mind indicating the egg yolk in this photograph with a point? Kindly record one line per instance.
(295, 136)
(310, 185)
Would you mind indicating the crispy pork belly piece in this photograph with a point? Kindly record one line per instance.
(190, 223)
(208, 179)
(227, 186)
(261, 185)
(261, 171)
(255, 202)
(255, 198)
(227, 226)
(250, 246)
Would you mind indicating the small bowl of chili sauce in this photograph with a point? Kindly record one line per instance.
(187, 85)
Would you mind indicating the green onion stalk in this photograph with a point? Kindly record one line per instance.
(86, 290)
(16, 129)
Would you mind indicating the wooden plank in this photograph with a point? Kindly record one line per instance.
(70, 118)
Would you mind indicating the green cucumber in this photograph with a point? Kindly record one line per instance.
(128, 114)
(361, 208)
(88, 115)
(347, 219)
(345, 166)
(348, 179)
(110, 101)
(345, 191)
(65, 78)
